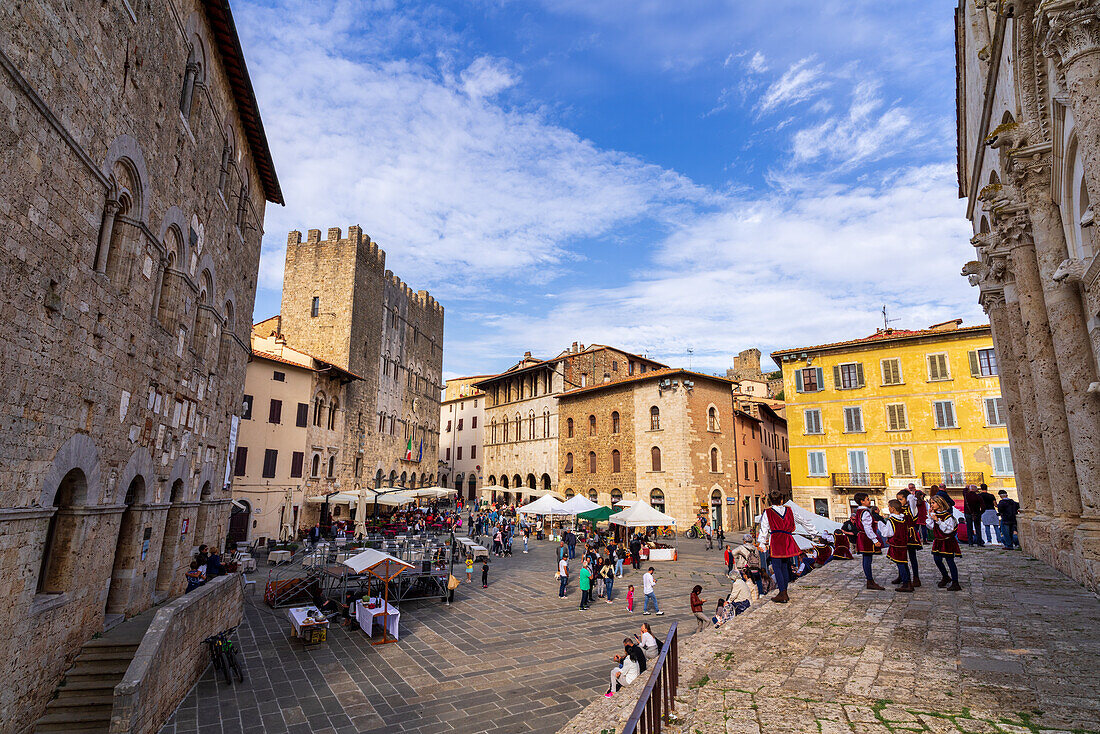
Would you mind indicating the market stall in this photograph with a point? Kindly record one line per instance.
(385, 568)
(642, 515)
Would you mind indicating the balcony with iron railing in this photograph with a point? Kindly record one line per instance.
(952, 478)
(848, 480)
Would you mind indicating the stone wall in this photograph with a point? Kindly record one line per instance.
(131, 246)
(600, 403)
(172, 656)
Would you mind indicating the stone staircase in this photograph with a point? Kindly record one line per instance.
(86, 695)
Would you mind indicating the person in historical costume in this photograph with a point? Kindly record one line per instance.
(868, 539)
(824, 548)
(945, 542)
(910, 509)
(777, 525)
(842, 545)
(895, 532)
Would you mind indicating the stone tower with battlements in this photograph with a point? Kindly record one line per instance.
(340, 304)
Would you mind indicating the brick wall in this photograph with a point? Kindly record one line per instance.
(601, 404)
(171, 656)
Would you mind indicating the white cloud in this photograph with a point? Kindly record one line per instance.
(457, 188)
(865, 133)
(801, 81)
(757, 64)
(487, 77)
(771, 272)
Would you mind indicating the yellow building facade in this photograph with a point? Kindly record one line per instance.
(897, 407)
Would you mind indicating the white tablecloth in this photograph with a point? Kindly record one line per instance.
(299, 615)
(662, 554)
(278, 556)
(366, 617)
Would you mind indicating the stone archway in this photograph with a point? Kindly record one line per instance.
(167, 569)
(128, 550)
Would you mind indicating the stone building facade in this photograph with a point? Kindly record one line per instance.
(1028, 91)
(665, 437)
(462, 428)
(289, 443)
(760, 433)
(136, 173)
(342, 306)
(521, 415)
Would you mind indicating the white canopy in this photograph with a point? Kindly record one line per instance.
(641, 515)
(625, 503)
(429, 492)
(821, 524)
(386, 500)
(340, 498)
(548, 504)
(371, 558)
(577, 504)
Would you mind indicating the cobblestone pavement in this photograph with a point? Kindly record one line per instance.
(510, 658)
(1018, 650)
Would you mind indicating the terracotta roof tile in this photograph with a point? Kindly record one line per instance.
(651, 374)
(884, 335)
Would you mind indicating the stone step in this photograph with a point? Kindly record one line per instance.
(81, 699)
(103, 654)
(70, 728)
(98, 667)
(78, 716)
(101, 644)
(92, 683)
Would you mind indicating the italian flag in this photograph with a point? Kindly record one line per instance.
(409, 451)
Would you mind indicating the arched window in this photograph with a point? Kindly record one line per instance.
(193, 75)
(531, 426)
(519, 428)
(404, 479)
(593, 496)
(517, 481)
(615, 467)
(504, 481)
(616, 495)
(531, 481)
(569, 428)
(546, 424)
(315, 467)
(505, 430)
(591, 462)
(1076, 206)
(569, 463)
(569, 494)
(546, 482)
(591, 425)
(53, 574)
(393, 478)
(614, 421)
(332, 414)
(318, 410)
(331, 466)
(657, 500)
(655, 456)
(712, 419)
(492, 481)
(654, 418)
(714, 459)
(378, 479)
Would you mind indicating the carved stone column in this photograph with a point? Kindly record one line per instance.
(1046, 384)
(1069, 32)
(994, 304)
(1069, 333)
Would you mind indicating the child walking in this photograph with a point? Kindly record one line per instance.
(485, 574)
(630, 598)
(469, 569)
(945, 543)
(896, 532)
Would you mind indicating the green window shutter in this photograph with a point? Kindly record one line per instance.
(836, 377)
(798, 380)
(975, 368)
(820, 378)
(859, 374)
(891, 417)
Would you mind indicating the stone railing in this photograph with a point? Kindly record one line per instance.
(172, 656)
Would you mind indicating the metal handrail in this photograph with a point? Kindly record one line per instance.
(658, 698)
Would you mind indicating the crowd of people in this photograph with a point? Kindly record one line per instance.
(206, 565)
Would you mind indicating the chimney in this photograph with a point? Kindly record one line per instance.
(574, 347)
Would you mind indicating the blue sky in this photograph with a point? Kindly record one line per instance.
(661, 176)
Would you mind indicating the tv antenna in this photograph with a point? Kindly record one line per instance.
(885, 320)
(691, 351)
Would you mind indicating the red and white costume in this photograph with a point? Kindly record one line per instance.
(777, 526)
(944, 540)
(841, 547)
(866, 534)
(909, 510)
(896, 532)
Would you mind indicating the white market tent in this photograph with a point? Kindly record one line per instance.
(822, 525)
(339, 498)
(370, 558)
(575, 505)
(429, 492)
(626, 503)
(642, 515)
(548, 504)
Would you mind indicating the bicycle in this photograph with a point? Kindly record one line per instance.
(223, 651)
(667, 533)
(694, 532)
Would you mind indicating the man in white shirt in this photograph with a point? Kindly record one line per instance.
(648, 583)
(563, 576)
(708, 530)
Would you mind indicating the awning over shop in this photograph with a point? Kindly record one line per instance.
(642, 515)
(600, 514)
